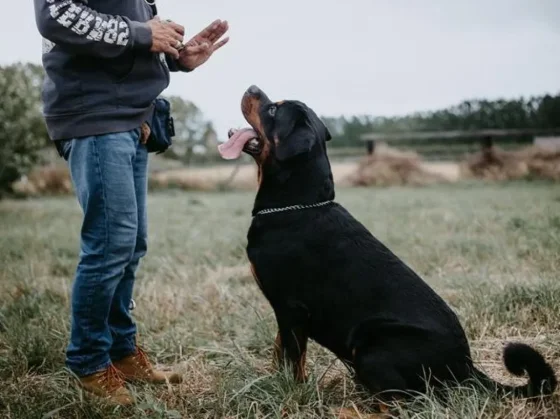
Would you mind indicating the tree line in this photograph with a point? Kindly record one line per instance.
(541, 112)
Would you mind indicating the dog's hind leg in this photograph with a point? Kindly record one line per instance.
(377, 372)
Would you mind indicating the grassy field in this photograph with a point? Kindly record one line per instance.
(491, 250)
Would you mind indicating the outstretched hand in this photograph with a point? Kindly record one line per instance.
(201, 47)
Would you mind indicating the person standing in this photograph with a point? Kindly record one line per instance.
(106, 63)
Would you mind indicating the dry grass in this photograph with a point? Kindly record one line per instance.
(215, 177)
(491, 251)
(53, 179)
(542, 163)
(207, 178)
(389, 166)
(496, 164)
(344, 172)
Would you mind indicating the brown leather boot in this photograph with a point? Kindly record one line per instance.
(109, 385)
(137, 367)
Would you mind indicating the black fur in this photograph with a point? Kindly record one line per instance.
(329, 279)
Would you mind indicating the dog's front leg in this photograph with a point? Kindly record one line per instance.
(277, 354)
(293, 349)
(290, 344)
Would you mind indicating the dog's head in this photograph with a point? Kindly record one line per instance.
(281, 134)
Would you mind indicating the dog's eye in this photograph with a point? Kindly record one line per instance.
(272, 111)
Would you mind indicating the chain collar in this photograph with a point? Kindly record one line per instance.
(292, 208)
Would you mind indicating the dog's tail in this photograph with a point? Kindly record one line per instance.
(518, 359)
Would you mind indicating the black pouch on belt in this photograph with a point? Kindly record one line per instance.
(162, 128)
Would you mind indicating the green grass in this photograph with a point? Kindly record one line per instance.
(492, 251)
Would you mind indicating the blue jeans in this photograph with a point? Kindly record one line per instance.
(109, 174)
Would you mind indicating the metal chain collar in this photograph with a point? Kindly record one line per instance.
(292, 207)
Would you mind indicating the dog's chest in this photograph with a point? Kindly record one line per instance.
(274, 272)
(277, 265)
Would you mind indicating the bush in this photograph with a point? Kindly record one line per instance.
(22, 130)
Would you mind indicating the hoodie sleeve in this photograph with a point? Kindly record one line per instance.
(77, 28)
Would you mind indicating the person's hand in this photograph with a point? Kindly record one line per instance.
(201, 47)
(167, 37)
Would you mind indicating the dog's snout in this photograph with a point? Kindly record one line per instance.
(254, 90)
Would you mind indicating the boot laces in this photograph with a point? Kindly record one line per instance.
(112, 379)
(142, 359)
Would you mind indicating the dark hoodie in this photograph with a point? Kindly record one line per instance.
(100, 74)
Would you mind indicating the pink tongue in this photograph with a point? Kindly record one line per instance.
(233, 147)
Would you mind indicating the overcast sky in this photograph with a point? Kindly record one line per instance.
(380, 57)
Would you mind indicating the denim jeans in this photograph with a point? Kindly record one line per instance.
(109, 175)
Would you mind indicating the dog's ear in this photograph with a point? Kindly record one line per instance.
(299, 141)
(299, 129)
(319, 126)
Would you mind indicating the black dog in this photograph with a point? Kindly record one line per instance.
(328, 279)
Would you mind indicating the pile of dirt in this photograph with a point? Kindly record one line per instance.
(389, 166)
(45, 180)
(493, 163)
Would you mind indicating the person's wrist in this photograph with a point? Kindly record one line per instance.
(183, 66)
(141, 33)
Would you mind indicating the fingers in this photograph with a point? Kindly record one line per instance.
(174, 30)
(166, 30)
(171, 50)
(220, 44)
(207, 31)
(177, 28)
(196, 49)
(206, 41)
(192, 42)
(214, 31)
(175, 35)
(218, 31)
(178, 45)
(221, 30)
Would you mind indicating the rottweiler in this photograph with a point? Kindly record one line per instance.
(329, 279)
